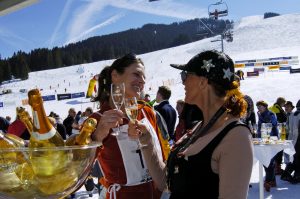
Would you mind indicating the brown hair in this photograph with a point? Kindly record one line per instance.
(280, 100)
(165, 92)
(180, 101)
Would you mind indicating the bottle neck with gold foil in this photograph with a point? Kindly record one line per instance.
(25, 118)
(42, 128)
(88, 128)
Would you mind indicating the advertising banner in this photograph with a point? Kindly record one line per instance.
(239, 65)
(63, 96)
(296, 70)
(253, 74)
(77, 95)
(48, 97)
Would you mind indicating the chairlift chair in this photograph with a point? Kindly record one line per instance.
(216, 10)
(228, 36)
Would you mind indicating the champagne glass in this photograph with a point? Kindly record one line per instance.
(131, 109)
(269, 127)
(117, 95)
(255, 130)
(264, 132)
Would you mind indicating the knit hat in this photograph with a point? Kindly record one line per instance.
(262, 103)
(215, 66)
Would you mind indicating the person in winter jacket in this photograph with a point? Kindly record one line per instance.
(294, 129)
(69, 121)
(165, 109)
(277, 109)
(281, 118)
(266, 116)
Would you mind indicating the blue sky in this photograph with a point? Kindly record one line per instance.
(51, 23)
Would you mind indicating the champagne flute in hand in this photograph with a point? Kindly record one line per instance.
(117, 95)
(131, 109)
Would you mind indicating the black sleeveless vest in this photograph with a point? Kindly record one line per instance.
(194, 178)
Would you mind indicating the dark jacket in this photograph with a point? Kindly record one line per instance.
(169, 114)
(4, 124)
(68, 124)
(267, 117)
(250, 116)
(61, 130)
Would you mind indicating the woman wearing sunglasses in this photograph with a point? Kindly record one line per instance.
(215, 159)
(125, 174)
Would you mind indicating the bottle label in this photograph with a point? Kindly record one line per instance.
(36, 119)
(44, 136)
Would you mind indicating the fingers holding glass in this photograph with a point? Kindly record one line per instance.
(117, 95)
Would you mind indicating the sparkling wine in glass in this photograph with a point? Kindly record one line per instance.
(117, 95)
(131, 109)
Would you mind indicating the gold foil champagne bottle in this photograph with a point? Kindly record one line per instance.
(25, 118)
(53, 167)
(48, 162)
(44, 134)
(84, 136)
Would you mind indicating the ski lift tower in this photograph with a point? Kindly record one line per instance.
(216, 10)
(227, 35)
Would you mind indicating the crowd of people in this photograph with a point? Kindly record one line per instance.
(189, 147)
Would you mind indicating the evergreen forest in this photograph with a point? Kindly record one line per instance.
(148, 38)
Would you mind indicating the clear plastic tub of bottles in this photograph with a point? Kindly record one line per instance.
(48, 172)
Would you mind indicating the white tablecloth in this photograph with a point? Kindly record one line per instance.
(265, 152)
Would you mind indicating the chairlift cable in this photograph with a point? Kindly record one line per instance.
(206, 26)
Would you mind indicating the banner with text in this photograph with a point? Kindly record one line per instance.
(48, 97)
(296, 70)
(63, 96)
(77, 95)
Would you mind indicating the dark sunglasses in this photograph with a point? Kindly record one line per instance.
(184, 75)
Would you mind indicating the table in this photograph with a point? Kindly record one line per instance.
(265, 152)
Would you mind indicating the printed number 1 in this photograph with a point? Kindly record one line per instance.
(141, 158)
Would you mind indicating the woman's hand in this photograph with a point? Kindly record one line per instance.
(137, 130)
(109, 119)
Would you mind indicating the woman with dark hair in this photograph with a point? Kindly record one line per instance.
(125, 173)
(215, 159)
